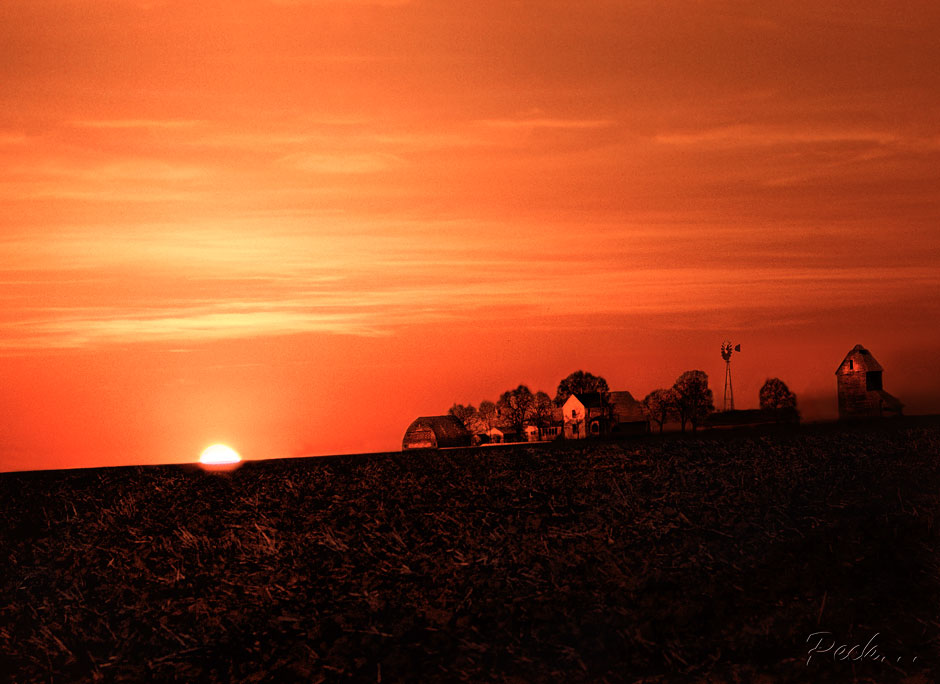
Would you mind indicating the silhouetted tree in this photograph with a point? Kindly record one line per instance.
(543, 409)
(580, 382)
(776, 395)
(488, 414)
(693, 398)
(776, 398)
(660, 406)
(515, 407)
(466, 415)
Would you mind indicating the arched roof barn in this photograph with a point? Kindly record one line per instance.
(435, 432)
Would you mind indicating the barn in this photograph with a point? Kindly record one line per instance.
(627, 415)
(435, 432)
(861, 387)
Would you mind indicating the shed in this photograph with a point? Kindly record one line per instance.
(860, 384)
(435, 432)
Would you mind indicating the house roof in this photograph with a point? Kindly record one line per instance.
(625, 407)
(621, 395)
(590, 399)
(863, 361)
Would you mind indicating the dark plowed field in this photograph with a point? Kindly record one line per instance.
(711, 558)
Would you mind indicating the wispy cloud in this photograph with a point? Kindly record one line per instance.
(12, 139)
(547, 122)
(341, 163)
(137, 123)
(187, 290)
(94, 328)
(109, 179)
(760, 136)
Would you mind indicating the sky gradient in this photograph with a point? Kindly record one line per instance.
(293, 226)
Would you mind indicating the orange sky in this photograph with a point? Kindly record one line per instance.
(294, 225)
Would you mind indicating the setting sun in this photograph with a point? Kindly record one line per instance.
(219, 454)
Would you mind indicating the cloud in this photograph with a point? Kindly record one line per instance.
(166, 290)
(342, 163)
(762, 136)
(545, 122)
(137, 123)
(93, 328)
(12, 139)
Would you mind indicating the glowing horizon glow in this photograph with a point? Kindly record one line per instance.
(219, 454)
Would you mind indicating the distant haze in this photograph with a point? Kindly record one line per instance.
(293, 226)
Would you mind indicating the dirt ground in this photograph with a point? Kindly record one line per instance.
(787, 555)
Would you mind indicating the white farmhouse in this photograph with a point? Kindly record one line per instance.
(592, 414)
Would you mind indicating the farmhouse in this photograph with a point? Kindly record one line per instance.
(860, 385)
(583, 415)
(594, 414)
(435, 432)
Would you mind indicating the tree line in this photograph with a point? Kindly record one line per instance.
(689, 402)
(519, 407)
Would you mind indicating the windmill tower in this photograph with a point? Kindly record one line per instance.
(726, 350)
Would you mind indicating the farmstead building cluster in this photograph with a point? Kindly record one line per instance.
(586, 414)
(581, 415)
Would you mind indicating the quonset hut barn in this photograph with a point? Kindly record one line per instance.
(434, 432)
(861, 394)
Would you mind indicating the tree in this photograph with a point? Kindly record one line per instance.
(693, 398)
(488, 415)
(467, 415)
(660, 406)
(776, 395)
(543, 410)
(515, 407)
(776, 398)
(580, 382)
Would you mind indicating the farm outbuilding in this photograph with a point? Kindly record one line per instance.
(435, 432)
(861, 387)
(627, 415)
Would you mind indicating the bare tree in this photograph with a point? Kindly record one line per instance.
(515, 407)
(660, 406)
(693, 398)
(467, 415)
(488, 415)
(580, 382)
(543, 410)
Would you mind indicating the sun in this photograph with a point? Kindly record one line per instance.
(219, 454)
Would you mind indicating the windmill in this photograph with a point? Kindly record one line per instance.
(726, 350)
